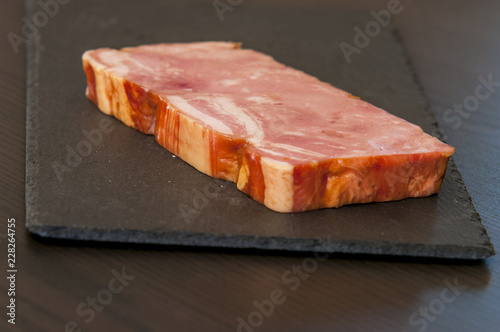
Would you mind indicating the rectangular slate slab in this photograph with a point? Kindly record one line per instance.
(89, 177)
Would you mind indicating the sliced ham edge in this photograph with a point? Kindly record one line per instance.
(288, 140)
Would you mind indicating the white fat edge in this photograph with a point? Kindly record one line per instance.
(115, 61)
(145, 68)
(182, 105)
(298, 150)
(260, 100)
(230, 82)
(374, 143)
(293, 133)
(120, 68)
(226, 106)
(189, 48)
(276, 163)
(256, 76)
(406, 146)
(330, 145)
(290, 148)
(274, 152)
(279, 154)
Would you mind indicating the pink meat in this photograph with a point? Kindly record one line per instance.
(288, 140)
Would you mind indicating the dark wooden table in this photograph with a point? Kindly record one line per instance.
(65, 286)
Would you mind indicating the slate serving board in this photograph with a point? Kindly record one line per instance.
(126, 188)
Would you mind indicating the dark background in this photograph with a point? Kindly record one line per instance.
(450, 44)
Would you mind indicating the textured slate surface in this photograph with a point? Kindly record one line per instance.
(126, 188)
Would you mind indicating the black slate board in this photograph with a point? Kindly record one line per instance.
(129, 189)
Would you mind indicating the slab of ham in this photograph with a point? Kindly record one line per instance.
(288, 140)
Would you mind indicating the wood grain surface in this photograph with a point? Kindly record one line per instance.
(452, 44)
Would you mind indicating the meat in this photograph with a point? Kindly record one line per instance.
(288, 140)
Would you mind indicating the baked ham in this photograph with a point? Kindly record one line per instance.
(288, 140)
